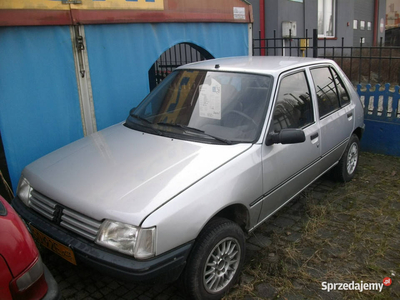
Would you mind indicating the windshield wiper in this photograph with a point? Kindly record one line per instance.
(185, 127)
(192, 129)
(144, 120)
(140, 118)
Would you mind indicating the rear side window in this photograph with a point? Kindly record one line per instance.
(293, 107)
(325, 86)
(343, 95)
(330, 90)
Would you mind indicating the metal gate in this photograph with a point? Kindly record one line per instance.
(174, 57)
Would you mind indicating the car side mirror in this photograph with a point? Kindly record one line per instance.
(286, 136)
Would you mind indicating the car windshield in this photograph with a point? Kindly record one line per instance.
(207, 106)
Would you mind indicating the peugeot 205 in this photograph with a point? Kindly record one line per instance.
(216, 149)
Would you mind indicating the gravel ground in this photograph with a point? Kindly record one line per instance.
(333, 233)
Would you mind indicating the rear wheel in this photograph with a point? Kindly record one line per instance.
(216, 261)
(346, 168)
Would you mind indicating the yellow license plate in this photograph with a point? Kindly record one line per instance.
(58, 248)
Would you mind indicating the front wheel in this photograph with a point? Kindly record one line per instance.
(347, 165)
(216, 261)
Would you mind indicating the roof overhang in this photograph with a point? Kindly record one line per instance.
(73, 12)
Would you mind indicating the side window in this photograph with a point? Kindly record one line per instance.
(343, 94)
(293, 108)
(325, 86)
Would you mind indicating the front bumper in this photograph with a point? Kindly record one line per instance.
(105, 260)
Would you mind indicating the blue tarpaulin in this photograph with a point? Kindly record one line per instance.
(39, 104)
(39, 100)
(120, 57)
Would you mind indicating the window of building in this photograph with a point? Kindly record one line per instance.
(326, 18)
(362, 25)
(293, 107)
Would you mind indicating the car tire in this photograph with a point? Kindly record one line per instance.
(215, 263)
(346, 168)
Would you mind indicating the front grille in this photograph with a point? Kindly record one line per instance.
(65, 217)
(43, 205)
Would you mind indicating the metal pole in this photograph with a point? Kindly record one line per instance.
(341, 61)
(262, 27)
(360, 62)
(306, 48)
(315, 43)
(380, 59)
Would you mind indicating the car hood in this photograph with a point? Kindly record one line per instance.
(123, 174)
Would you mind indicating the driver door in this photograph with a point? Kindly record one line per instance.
(287, 169)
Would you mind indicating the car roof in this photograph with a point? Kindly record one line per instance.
(273, 65)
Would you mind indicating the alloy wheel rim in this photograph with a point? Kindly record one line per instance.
(352, 158)
(221, 265)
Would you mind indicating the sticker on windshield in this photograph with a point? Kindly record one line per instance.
(210, 100)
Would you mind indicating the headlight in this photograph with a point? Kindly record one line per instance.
(24, 190)
(127, 239)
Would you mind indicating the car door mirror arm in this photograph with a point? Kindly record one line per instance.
(286, 136)
(272, 138)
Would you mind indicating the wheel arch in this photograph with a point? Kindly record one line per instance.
(359, 132)
(237, 213)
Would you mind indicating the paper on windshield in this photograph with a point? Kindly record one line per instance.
(210, 100)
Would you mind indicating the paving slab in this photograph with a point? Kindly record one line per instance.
(260, 240)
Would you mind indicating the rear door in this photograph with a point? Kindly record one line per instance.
(335, 113)
(287, 169)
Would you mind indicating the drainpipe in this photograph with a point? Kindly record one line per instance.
(262, 25)
(376, 12)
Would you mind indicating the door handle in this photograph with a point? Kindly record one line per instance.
(349, 115)
(314, 136)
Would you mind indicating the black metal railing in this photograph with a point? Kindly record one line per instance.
(362, 64)
(286, 46)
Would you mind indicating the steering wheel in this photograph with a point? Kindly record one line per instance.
(242, 114)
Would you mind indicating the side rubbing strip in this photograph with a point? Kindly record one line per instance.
(283, 183)
(295, 175)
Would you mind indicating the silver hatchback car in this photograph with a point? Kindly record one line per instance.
(216, 149)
